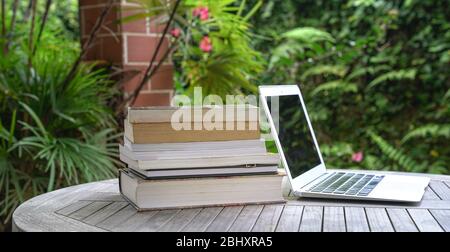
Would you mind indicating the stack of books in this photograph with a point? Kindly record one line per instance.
(192, 161)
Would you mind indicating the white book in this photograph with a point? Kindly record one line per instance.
(152, 155)
(203, 172)
(175, 162)
(238, 113)
(257, 144)
(200, 192)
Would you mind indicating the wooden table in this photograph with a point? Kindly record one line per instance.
(99, 207)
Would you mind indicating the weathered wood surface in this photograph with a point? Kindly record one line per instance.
(99, 207)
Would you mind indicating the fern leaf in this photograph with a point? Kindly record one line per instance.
(308, 35)
(396, 155)
(337, 70)
(393, 75)
(367, 70)
(447, 95)
(337, 85)
(430, 130)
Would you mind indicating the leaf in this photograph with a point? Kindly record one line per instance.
(308, 35)
(337, 70)
(36, 119)
(396, 155)
(430, 131)
(404, 74)
(337, 85)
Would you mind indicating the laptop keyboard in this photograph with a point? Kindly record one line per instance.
(352, 184)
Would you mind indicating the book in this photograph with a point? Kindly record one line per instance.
(152, 155)
(200, 192)
(204, 172)
(245, 112)
(258, 145)
(175, 162)
(144, 133)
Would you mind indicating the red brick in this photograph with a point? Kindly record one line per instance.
(152, 99)
(105, 48)
(89, 18)
(163, 78)
(112, 49)
(156, 26)
(141, 48)
(94, 51)
(109, 47)
(137, 22)
(132, 78)
(94, 2)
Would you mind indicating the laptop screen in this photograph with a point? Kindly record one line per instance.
(295, 136)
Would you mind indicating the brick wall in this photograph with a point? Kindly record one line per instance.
(129, 46)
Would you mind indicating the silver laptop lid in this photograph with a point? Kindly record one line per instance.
(294, 136)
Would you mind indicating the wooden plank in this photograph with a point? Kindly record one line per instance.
(333, 219)
(117, 218)
(203, 219)
(447, 182)
(378, 220)
(75, 206)
(311, 219)
(38, 214)
(105, 196)
(268, 219)
(290, 219)
(104, 213)
(52, 222)
(430, 194)
(424, 204)
(356, 220)
(158, 220)
(443, 218)
(425, 222)
(441, 189)
(180, 220)
(401, 220)
(247, 218)
(134, 222)
(225, 219)
(88, 210)
(62, 197)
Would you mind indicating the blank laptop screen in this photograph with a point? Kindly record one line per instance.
(295, 136)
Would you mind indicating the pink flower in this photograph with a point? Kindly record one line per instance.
(201, 12)
(357, 156)
(205, 44)
(175, 32)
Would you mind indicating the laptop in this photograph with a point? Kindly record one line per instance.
(301, 157)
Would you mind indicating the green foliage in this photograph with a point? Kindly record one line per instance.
(53, 132)
(324, 69)
(336, 86)
(379, 66)
(231, 66)
(308, 35)
(429, 131)
(392, 76)
(396, 154)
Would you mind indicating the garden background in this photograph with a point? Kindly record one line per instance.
(375, 76)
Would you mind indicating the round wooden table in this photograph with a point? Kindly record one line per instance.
(99, 207)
